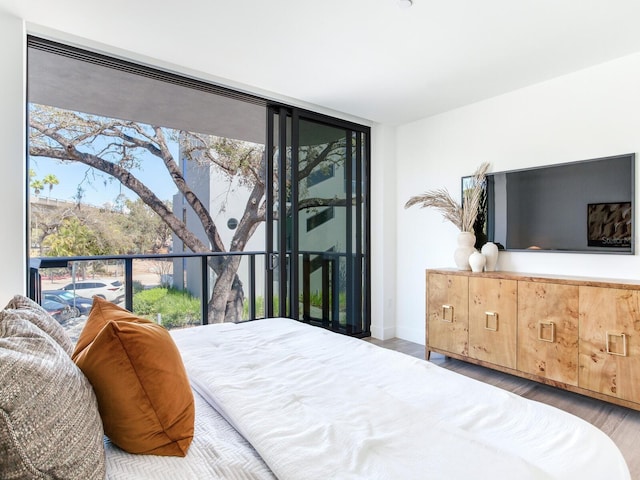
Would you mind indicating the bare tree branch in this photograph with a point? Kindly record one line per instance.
(69, 151)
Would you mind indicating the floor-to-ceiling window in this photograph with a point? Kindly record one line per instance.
(126, 159)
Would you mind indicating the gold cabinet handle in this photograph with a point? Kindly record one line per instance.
(541, 328)
(447, 313)
(624, 344)
(487, 316)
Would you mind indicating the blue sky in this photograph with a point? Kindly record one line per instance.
(98, 187)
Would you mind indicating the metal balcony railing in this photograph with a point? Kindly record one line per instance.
(324, 298)
(105, 264)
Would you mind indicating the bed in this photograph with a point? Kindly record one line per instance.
(276, 398)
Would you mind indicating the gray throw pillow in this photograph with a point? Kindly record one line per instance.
(49, 421)
(37, 315)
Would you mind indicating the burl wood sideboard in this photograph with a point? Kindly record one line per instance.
(579, 334)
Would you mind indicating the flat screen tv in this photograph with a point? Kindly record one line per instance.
(584, 206)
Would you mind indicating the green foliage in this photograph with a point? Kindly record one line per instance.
(259, 308)
(73, 238)
(37, 186)
(316, 300)
(100, 231)
(51, 180)
(146, 302)
(181, 311)
(177, 308)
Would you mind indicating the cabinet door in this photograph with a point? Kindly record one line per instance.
(492, 320)
(610, 342)
(448, 312)
(548, 330)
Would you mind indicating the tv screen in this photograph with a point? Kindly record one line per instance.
(584, 206)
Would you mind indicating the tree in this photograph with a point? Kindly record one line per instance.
(45, 222)
(51, 180)
(37, 186)
(147, 232)
(73, 238)
(112, 236)
(69, 137)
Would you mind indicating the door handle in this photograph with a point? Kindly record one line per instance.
(274, 258)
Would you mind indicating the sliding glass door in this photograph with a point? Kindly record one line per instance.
(317, 231)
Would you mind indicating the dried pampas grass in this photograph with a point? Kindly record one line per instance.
(462, 216)
(441, 200)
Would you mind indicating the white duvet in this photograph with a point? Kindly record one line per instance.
(318, 405)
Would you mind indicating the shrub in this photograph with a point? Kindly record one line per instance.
(177, 308)
(146, 301)
(260, 309)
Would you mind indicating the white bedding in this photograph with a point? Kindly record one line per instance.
(217, 452)
(318, 405)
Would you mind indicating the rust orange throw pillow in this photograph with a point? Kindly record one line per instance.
(136, 370)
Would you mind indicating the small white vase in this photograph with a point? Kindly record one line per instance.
(490, 251)
(466, 240)
(477, 261)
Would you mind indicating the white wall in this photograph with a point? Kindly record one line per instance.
(588, 114)
(12, 159)
(383, 232)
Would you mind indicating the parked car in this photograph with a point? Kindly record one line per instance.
(60, 311)
(82, 305)
(111, 290)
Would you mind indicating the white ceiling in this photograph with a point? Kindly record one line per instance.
(366, 58)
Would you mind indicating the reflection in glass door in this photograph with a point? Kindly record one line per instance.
(318, 243)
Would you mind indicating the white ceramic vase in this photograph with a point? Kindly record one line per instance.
(477, 261)
(466, 241)
(490, 251)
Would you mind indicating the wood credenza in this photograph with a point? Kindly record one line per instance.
(579, 334)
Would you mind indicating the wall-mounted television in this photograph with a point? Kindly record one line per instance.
(584, 206)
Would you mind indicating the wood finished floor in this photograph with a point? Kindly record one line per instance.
(620, 423)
